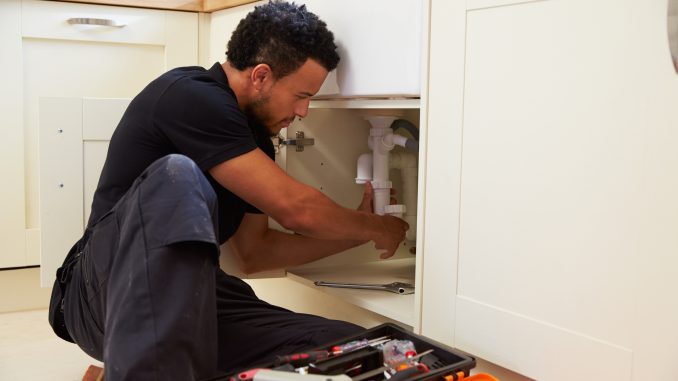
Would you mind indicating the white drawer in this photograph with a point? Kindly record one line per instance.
(49, 19)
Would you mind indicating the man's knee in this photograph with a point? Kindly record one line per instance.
(173, 167)
(177, 173)
(176, 201)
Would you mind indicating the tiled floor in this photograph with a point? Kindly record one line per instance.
(29, 350)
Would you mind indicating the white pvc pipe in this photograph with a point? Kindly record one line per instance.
(381, 145)
(407, 163)
(364, 168)
(395, 139)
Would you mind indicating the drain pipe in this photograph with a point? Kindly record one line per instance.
(381, 142)
(407, 164)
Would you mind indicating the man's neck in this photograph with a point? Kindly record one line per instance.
(237, 81)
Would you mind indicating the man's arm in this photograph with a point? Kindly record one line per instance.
(255, 178)
(258, 248)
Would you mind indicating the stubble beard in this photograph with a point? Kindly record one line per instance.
(257, 112)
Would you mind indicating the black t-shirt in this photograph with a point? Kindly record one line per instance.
(189, 111)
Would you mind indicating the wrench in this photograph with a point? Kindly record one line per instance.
(395, 287)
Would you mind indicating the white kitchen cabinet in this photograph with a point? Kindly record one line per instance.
(380, 43)
(380, 71)
(12, 195)
(552, 161)
(222, 24)
(60, 59)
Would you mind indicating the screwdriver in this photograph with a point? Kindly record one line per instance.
(301, 359)
(305, 358)
(409, 372)
(357, 344)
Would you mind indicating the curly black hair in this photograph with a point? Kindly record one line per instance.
(283, 35)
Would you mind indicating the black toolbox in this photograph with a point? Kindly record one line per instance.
(362, 363)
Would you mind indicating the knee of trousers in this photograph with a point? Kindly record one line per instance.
(176, 202)
(178, 175)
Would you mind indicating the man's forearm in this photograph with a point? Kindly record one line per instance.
(279, 250)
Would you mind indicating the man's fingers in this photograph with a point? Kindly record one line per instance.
(368, 195)
(386, 255)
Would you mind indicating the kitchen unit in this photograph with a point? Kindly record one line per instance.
(546, 210)
(48, 55)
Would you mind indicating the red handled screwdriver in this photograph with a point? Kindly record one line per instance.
(409, 372)
(301, 359)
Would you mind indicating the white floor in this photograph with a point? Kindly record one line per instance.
(29, 350)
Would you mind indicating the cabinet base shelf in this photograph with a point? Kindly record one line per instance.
(393, 306)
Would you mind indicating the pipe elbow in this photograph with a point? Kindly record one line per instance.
(407, 125)
(364, 169)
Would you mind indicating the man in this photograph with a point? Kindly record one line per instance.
(190, 166)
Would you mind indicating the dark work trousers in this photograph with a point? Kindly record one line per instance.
(146, 295)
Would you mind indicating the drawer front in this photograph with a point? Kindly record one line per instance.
(49, 19)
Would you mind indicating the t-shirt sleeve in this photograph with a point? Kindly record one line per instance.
(202, 121)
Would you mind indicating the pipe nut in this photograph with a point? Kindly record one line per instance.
(377, 184)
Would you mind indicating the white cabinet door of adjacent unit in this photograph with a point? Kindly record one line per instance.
(12, 195)
(61, 59)
(74, 138)
(566, 179)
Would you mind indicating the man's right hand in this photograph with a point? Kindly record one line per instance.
(390, 235)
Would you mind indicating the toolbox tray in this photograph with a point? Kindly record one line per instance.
(450, 362)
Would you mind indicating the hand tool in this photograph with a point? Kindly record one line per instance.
(409, 372)
(301, 359)
(422, 354)
(370, 374)
(368, 357)
(395, 287)
(274, 375)
(247, 375)
(357, 344)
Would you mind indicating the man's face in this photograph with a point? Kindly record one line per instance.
(288, 97)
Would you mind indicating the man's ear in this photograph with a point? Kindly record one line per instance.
(261, 76)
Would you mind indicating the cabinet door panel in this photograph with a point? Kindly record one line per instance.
(61, 181)
(62, 60)
(55, 68)
(553, 148)
(12, 195)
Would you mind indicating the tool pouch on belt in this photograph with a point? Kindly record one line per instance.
(63, 275)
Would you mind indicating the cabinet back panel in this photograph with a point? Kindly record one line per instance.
(331, 165)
